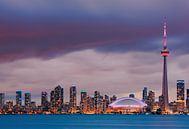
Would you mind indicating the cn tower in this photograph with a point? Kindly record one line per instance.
(165, 54)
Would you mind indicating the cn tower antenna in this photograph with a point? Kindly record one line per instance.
(165, 34)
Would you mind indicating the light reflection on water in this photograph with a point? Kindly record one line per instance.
(93, 122)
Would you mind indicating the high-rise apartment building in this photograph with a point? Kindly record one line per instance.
(73, 99)
(145, 94)
(44, 99)
(27, 99)
(19, 98)
(180, 95)
(2, 99)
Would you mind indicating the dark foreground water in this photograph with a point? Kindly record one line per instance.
(93, 122)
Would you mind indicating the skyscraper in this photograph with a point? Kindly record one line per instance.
(151, 99)
(105, 103)
(2, 99)
(52, 99)
(97, 101)
(83, 103)
(107, 100)
(83, 96)
(57, 97)
(145, 94)
(27, 99)
(44, 99)
(113, 98)
(180, 95)
(90, 104)
(18, 98)
(164, 54)
(187, 99)
(73, 96)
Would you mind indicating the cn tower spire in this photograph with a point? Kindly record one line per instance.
(165, 34)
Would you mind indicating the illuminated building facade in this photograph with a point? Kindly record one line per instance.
(151, 100)
(44, 99)
(2, 99)
(52, 98)
(187, 99)
(113, 98)
(127, 106)
(73, 96)
(90, 105)
(19, 98)
(106, 102)
(59, 96)
(27, 99)
(145, 94)
(173, 107)
(180, 95)
(83, 103)
(57, 99)
(97, 102)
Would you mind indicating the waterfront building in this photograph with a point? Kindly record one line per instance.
(173, 107)
(161, 101)
(19, 98)
(106, 101)
(52, 99)
(145, 94)
(73, 101)
(151, 100)
(187, 99)
(113, 98)
(66, 107)
(180, 95)
(127, 106)
(83, 102)
(33, 105)
(155, 107)
(97, 102)
(27, 99)
(90, 105)
(2, 99)
(9, 106)
(57, 98)
(102, 106)
(44, 99)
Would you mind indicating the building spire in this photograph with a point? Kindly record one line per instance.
(165, 34)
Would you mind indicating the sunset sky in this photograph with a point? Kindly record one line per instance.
(112, 46)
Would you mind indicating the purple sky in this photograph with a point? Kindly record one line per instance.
(108, 45)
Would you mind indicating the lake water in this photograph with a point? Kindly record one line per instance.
(94, 122)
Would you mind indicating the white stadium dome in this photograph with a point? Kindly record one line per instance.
(127, 103)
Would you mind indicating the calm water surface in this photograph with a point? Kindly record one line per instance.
(93, 122)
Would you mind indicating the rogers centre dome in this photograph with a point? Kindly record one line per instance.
(126, 106)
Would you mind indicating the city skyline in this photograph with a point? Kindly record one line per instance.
(97, 46)
(53, 102)
(75, 95)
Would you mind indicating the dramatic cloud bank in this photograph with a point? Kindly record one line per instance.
(112, 45)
